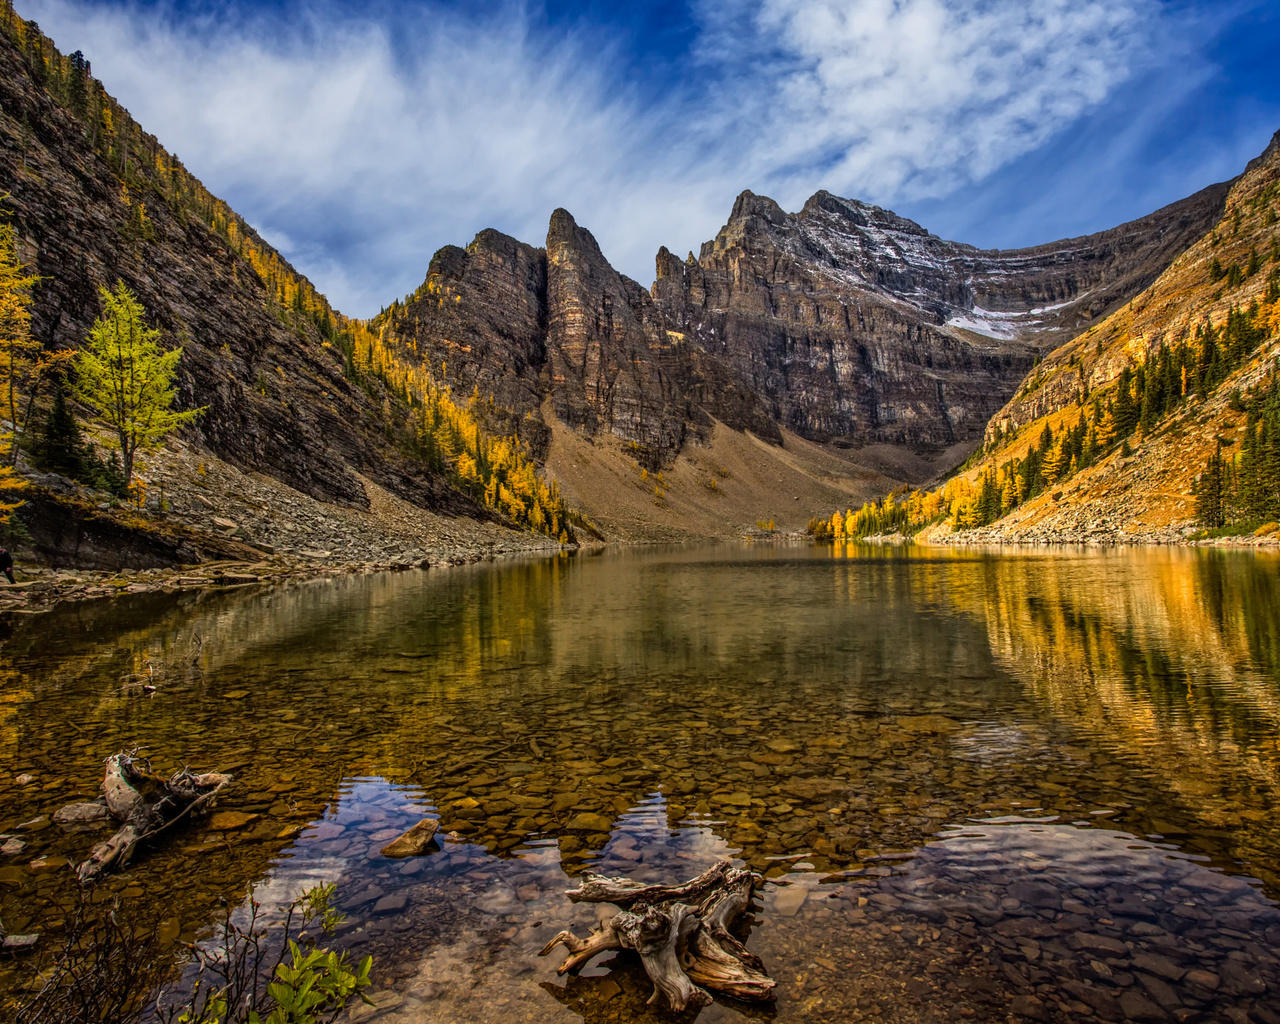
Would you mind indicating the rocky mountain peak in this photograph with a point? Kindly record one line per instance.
(753, 218)
(1271, 152)
(857, 214)
(566, 237)
(668, 266)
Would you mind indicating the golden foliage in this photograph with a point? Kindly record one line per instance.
(446, 434)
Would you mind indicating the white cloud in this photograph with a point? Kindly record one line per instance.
(916, 97)
(364, 151)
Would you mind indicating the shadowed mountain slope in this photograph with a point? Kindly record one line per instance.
(96, 200)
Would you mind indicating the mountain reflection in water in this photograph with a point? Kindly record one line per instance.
(976, 783)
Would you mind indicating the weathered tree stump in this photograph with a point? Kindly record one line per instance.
(145, 804)
(681, 933)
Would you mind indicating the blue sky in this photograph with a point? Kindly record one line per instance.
(359, 138)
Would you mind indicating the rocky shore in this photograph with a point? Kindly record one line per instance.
(1178, 535)
(204, 523)
(40, 588)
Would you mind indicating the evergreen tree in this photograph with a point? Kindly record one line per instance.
(60, 446)
(1124, 412)
(1208, 492)
(77, 84)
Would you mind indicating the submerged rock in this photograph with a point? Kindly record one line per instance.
(414, 842)
(80, 814)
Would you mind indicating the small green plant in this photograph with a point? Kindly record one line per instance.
(312, 985)
(110, 970)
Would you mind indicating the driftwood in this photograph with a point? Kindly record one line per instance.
(681, 933)
(146, 804)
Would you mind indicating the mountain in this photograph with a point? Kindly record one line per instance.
(802, 360)
(1160, 421)
(312, 438)
(95, 199)
(856, 324)
(863, 350)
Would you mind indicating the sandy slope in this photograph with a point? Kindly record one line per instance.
(717, 490)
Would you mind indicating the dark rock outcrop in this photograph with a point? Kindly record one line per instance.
(69, 531)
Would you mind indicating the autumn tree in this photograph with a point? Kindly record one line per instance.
(126, 378)
(1057, 459)
(16, 351)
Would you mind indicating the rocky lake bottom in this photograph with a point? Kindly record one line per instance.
(972, 785)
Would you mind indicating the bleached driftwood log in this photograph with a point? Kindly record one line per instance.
(146, 804)
(681, 933)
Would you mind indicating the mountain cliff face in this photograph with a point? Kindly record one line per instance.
(95, 200)
(857, 324)
(844, 323)
(524, 326)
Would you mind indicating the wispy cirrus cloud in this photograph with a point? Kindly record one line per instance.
(360, 144)
(920, 96)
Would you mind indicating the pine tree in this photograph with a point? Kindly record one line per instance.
(60, 446)
(988, 506)
(1209, 493)
(1124, 412)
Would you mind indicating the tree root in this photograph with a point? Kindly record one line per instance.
(681, 933)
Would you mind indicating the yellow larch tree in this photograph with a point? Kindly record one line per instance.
(126, 378)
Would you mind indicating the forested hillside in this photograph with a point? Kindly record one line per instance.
(292, 388)
(1160, 422)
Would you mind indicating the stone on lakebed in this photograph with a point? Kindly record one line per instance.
(226, 821)
(414, 842)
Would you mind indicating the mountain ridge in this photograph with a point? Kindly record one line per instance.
(1166, 393)
(844, 323)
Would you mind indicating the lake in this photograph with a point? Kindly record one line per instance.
(974, 784)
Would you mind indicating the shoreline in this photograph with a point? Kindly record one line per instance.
(1051, 539)
(42, 588)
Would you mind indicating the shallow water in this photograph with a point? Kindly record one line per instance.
(975, 784)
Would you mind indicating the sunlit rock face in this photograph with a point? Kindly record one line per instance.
(843, 322)
(613, 364)
(856, 324)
